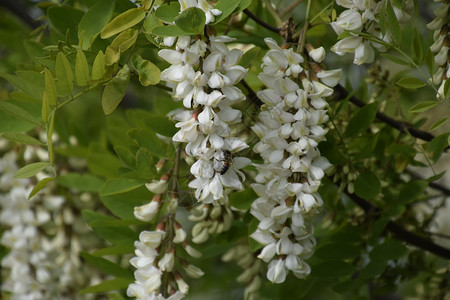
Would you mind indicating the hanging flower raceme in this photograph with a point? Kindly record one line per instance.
(203, 74)
(290, 128)
(43, 237)
(441, 46)
(364, 17)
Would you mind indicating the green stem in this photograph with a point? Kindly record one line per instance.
(301, 42)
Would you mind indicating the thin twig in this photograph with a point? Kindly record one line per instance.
(445, 190)
(342, 93)
(401, 232)
(261, 22)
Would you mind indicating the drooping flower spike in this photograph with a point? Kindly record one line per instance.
(291, 124)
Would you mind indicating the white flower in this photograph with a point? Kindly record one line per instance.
(276, 272)
(348, 20)
(146, 212)
(167, 262)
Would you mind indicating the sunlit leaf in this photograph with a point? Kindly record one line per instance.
(423, 106)
(81, 69)
(30, 170)
(115, 186)
(149, 73)
(122, 22)
(64, 74)
(410, 83)
(40, 185)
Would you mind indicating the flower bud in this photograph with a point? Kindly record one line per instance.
(180, 234)
(193, 271)
(182, 285)
(148, 211)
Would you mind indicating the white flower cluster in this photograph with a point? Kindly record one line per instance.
(290, 129)
(152, 263)
(204, 75)
(441, 45)
(43, 261)
(362, 16)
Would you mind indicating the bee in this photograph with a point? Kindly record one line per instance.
(227, 159)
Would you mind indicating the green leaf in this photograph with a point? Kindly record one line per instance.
(148, 139)
(410, 83)
(423, 106)
(367, 185)
(332, 268)
(243, 199)
(115, 90)
(17, 112)
(64, 74)
(191, 20)
(145, 164)
(40, 185)
(168, 12)
(21, 138)
(373, 269)
(437, 145)
(429, 61)
(122, 22)
(106, 266)
(169, 30)
(396, 59)
(81, 69)
(31, 82)
(378, 227)
(401, 149)
(50, 88)
(103, 226)
(117, 250)
(64, 18)
(98, 68)
(361, 120)
(119, 45)
(417, 46)
(45, 108)
(122, 205)
(80, 182)
(108, 285)
(382, 20)
(249, 57)
(93, 21)
(31, 170)
(438, 123)
(412, 190)
(114, 186)
(390, 249)
(243, 4)
(337, 251)
(149, 73)
(226, 7)
(393, 25)
(126, 156)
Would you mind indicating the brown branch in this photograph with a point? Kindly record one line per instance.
(401, 126)
(401, 232)
(261, 22)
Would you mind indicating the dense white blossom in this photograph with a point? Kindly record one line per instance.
(290, 128)
(203, 75)
(42, 236)
(363, 16)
